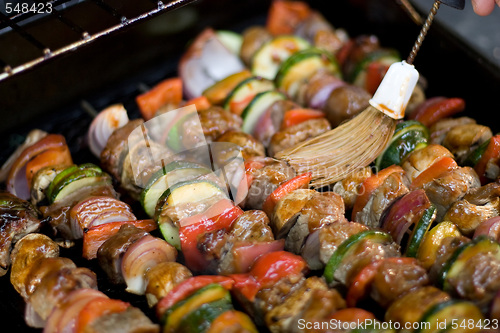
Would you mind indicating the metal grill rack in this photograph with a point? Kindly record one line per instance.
(18, 23)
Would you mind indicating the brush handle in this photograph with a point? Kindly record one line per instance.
(395, 90)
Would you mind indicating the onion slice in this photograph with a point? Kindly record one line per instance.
(147, 252)
(489, 227)
(101, 128)
(245, 253)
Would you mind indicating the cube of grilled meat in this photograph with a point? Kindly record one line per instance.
(450, 187)
(251, 227)
(321, 209)
(322, 243)
(116, 149)
(253, 38)
(284, 317)
(362, 46)
(110, 253)
(56, 285)
(265, 180)
(43, 267)
(467, 216)
(293, 135)
(394, 186)
(131, 320)
(17, 218)
(445, 251)
(421, 159)
(479, 280)
(461, 140)
(319, 307)
(248, 144)
(363, 254)
(216, 121)
(440, 128)
(344, 103)
(349, 187)
(395, 278)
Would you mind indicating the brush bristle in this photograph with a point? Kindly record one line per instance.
(337, 153)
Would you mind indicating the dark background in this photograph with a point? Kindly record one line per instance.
(113, 69)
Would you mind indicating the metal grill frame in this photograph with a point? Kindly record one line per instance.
(15, 23)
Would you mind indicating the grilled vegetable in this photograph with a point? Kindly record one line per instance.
(171, 174)
(409, 136)
(432, 240)
(459, 316)
(268, 58)
(230, 40)
(436, 108)
(301, 66)
(218, 92)
(257, 107)
(168, 91)
(349, 248)
(244, 92)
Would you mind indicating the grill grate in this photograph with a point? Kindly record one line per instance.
(18, 22)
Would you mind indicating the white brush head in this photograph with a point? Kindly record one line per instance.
(395, 90)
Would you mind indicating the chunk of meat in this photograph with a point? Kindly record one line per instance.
(451, 187)
(265, 180)
(394, 186)
(216, 121)
(420, 159)
(344, 103)
(461, 140)
(321, 209)
(113, 154)
(296, 134)
(111, 252)
(248, 144)
(439, 129)
(253, 38)
(349, 187)
(467, 216)
(283, 316)
(17, 218)
(394, 279)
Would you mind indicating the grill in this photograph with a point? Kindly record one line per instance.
(108, 51)
(58, 14)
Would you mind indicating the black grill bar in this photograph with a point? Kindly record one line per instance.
(14, 23)
(23, 33)
(73, 26)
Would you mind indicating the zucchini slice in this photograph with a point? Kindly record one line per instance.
(259, 104)
(187, 191)
(475, 155)
(459, 258)
(245, 91)
(231, 40)
(451, 316)
(200, 320)
(218, 92)
(69, 175)
(432, 240)
(348, 246)
(170, 175)
(420, 230)
(170, 233)
(408, 136)
(74, 185)
(300, 66)
(173, 317)
(268, 58)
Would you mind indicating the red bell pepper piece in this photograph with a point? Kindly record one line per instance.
(168, 91)
(300, 181)
(369, 185)
(437, 168)
(189, 286)
(211, 220)
(266, 271)
(95, 236)
(95, 309)
(201, 103)
(490, 155)
(437, 108)
(375, 72)
(297, 116)
(284, 16)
